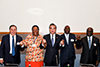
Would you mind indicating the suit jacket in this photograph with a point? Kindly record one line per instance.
(51, 53)
(89, 55)
(5, 49)
(67, 53)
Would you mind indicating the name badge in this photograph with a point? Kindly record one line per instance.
(72, 40)
(33, 45)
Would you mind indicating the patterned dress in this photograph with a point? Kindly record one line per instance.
(33, 52)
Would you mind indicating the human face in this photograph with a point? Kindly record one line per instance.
(89, 32)
(67, 30)
(13, 30)
(35, 31)
(52, 29)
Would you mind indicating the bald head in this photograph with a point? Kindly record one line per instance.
(67, 29)
(89, 31)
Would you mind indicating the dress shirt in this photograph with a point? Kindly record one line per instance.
(67, 37)
(53, 37)
(90, 39)
(11, 43)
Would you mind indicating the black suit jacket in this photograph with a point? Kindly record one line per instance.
(67, 53)
(89, 55)
(5, 49)
(52, 52)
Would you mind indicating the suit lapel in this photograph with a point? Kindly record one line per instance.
(16, 40)
(87, 42)
(65, 39)
(93, 39)
(69, 38)
(50, 40)
(56, 36)
(9, 40)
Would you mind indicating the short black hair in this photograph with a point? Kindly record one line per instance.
(12, 26)
(52, 24)
(89, 28)
(35, 26)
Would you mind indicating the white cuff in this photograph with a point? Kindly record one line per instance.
(22, 46)
(63, 45)
(43, 45)
(1, 58)
(60, 45)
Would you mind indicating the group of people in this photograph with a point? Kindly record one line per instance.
(52, 43)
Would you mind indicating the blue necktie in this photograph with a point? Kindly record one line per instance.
(52, 41)
(89, 43)
(13, 48)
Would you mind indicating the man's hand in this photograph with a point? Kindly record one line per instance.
(97, 63)
(1, 61)
(78, 37)
(21, 43)
(44, 41)
(62, 42)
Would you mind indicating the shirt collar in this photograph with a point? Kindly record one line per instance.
(51, 35)
(90, 37)
(11, 36)
(66, 34)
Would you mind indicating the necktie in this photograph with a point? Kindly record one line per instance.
(52, 41)
(89, 43)
(13, 48)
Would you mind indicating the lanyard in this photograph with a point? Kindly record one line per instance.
(35, 39)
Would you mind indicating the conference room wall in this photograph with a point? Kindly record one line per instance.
(78, 14)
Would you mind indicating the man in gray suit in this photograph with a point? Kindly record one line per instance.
(91, 48)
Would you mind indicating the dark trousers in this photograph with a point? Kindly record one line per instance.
(91, 62)
(10, 61)
(52, 63)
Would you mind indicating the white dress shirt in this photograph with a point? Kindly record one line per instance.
(67, 37)
(54, 36)
(11, 43)
(90, 38)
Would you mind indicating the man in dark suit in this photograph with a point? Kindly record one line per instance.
(10, 48)
(53, 40)
(67, 54)
(91, 48)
